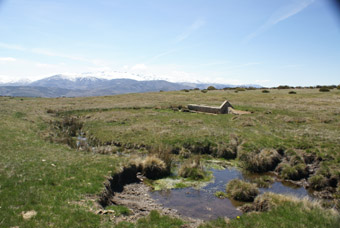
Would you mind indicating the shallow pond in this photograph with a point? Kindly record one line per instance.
(203, 204)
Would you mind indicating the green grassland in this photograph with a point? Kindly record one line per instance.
(62, 184)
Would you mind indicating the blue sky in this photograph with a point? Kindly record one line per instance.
(267, 42)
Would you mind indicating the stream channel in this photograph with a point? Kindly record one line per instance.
(203, 204)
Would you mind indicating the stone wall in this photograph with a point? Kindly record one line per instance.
(223, 109)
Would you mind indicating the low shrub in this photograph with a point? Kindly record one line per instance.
(284, 87)
(324, 89)
(204, 91)
(240, 89)
(211, 88)
(292, 92)
(241, 190)
(265, 91)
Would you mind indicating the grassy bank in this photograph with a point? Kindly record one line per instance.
(58, 183)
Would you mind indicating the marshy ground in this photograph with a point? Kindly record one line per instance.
(57, 153)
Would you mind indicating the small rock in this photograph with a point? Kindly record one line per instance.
(53, 165)
(109, 212)
(104, 212)
(28, 214)
(43, 160)
(99, 212)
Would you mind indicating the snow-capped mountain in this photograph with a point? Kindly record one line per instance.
(96, 84)
(21, 82)
(67, 82)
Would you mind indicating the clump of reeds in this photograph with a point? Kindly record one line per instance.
(241, 190)
(192, 169)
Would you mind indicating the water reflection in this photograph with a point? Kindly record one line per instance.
(201, 203)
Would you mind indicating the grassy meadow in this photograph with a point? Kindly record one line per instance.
(42, 172)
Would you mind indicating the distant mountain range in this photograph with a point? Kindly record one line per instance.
(80, 86)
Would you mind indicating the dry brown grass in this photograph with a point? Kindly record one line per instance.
(154, 168)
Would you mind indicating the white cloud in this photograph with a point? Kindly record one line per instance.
(45, 65)
(12, 47)
(5, 78)
(41, 51)
(162, 54)
(7, 59)
(280, 15)
(195, 26)
(56, 54)
(242, 65)
(139, 67)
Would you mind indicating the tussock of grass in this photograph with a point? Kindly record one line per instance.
(184, 153)
(226, 151)
(280, 211)
(265, 160)
(241, 190)
(295, 172)
(154, 168)
(221, 195)
(192, 169)
(317, 182)
(263, 181)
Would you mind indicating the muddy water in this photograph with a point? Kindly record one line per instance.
(201, 203)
